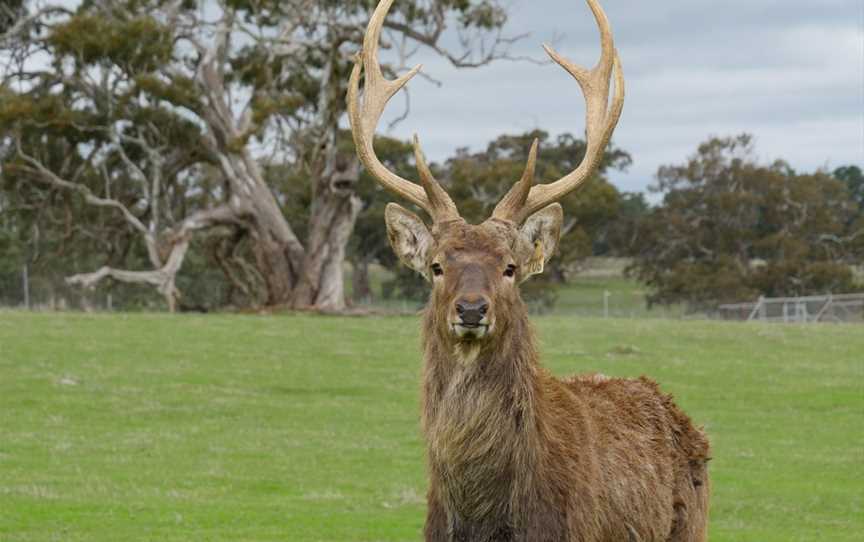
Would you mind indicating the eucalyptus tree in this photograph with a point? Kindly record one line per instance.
(10, 14)
(168, 112)
(854, 179)
(730, 229)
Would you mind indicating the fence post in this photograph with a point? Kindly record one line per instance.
(802, 309)
(825, 307)
(758, 309)
(606, 295)
(25, 276)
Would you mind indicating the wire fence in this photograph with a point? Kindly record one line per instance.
(807, 309)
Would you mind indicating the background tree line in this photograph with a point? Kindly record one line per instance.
(195, 148)
(730, 229)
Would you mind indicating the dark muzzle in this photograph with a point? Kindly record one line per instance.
(471, 312)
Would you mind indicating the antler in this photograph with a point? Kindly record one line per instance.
(364, 120)
(601, 118)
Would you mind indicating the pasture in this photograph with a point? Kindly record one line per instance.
(305, 428)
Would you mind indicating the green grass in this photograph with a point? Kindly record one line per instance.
(583, 296)
(303, 428)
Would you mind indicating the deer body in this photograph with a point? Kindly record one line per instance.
(513, 453)
(516, 454)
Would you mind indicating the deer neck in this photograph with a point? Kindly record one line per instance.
(504, 364)
(478, 417)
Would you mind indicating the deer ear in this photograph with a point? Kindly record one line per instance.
(541, 232)
(409, 237)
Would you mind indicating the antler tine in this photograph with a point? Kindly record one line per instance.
(438, 197)
(364, 121)
(516, 197)
(600, 121)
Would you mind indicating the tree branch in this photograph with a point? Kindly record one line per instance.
(464, 60)
(40, 171)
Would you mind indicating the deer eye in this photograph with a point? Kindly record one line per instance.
(437, 270)
(510, 271)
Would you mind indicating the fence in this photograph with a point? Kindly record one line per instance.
(824, 308)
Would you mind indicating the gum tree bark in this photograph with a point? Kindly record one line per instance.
(331, 224)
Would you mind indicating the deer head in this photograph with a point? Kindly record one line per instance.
(475, 270)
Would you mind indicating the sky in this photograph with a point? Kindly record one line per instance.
(790, 72)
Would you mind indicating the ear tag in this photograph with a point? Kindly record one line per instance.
(536, 264)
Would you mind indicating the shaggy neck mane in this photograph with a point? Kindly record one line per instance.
(480, 409)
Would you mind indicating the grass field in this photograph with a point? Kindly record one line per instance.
(304, 428)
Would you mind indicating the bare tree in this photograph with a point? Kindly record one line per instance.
(230, 87)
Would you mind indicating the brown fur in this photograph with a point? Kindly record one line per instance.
(516, 454)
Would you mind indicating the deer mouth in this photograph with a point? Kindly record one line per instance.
(465, 330)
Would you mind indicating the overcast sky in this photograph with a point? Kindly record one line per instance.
(790, 72)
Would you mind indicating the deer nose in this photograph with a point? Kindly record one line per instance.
(472, 312)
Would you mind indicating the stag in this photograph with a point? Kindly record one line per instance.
(514, 453)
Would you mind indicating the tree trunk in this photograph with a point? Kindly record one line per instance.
(295, 276)
(278, 252)
(322, 284)
(276, 270)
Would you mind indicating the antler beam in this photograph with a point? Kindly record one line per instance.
(601, 119)
(365, 117)
(523, 199)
